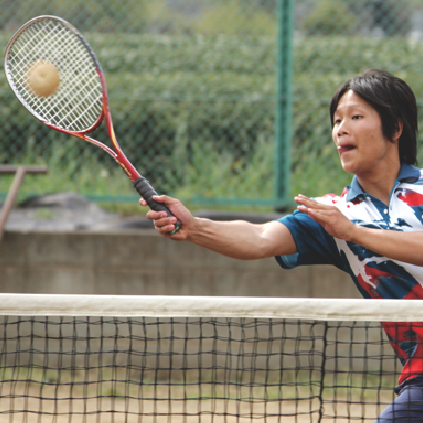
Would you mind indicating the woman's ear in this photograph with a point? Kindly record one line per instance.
(398, 130)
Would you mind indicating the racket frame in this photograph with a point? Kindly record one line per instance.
(141, 184)
(117, 154)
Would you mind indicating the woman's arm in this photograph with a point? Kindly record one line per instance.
(236, 239)
(396, 245)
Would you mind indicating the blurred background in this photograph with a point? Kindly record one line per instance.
(222, 103)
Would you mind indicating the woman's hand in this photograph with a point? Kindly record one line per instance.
(335, 223)
(164, 223)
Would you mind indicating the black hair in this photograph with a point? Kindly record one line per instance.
(393, 99)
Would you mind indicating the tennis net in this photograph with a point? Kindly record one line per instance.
(160, 359)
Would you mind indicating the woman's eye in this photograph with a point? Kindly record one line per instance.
(357, 117)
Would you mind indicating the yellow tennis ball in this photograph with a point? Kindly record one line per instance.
(43, 78)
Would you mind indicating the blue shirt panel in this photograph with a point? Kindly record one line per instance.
(314, 244)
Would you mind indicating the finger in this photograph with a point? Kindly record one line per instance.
(309, 203)
(326, 217)
(163, 221)
(154, 215)
(317, 214)
(311, 212)
(163, 227)
(165, 199)
(159, 199)
(302, 199)
(166, 229)
(302, 209)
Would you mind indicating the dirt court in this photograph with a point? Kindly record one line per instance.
(183, 407)
(79, 373)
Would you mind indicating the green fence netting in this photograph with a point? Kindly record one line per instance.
(335, 40)
(192, 86)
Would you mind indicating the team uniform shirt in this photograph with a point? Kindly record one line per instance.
(376, 277)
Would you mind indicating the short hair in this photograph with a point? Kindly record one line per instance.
(393, 99)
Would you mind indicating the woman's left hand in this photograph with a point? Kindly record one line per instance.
(336, 224)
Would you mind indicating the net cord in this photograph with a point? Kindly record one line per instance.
(205, 306)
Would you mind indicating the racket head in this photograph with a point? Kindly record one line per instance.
(77, 104)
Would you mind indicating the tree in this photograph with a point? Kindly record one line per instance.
(330, 17)
(235, 17)
(391, 17)
(127, 16)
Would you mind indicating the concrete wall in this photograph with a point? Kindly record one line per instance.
(143, 263)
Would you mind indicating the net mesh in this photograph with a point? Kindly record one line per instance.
(156, 369)
(77, 103)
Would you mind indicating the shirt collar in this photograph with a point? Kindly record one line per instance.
(408, 173)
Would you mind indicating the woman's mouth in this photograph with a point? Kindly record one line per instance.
(345, 148)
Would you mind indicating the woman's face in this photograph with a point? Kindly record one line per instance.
(358, 135)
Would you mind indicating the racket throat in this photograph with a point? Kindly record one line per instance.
(127, 166)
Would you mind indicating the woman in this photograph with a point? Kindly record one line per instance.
(373, 230)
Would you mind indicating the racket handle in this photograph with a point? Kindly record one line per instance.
(146, 191)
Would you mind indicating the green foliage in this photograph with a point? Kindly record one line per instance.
(161, 19)
(163, 55)
(208, 171)
(392, 16)
(352, 17)
(164, 109)
(196, 115)
(233, 17)
(126, 16)
(318, 72)
(330, 17)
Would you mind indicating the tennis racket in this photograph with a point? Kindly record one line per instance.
(72, 97)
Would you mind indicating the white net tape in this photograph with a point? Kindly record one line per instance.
(202, 306)
(77, 104)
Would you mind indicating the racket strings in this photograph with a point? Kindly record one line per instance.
(77, 104)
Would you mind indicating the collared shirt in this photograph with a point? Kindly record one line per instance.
(376, 277)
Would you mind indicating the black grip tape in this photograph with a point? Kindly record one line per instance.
(146, 191)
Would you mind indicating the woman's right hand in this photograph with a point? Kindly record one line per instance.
(164, 223)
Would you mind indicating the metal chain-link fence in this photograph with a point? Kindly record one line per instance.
(192, 86)
(335, 40)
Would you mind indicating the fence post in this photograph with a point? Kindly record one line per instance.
(19, 171)
(284, 103)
